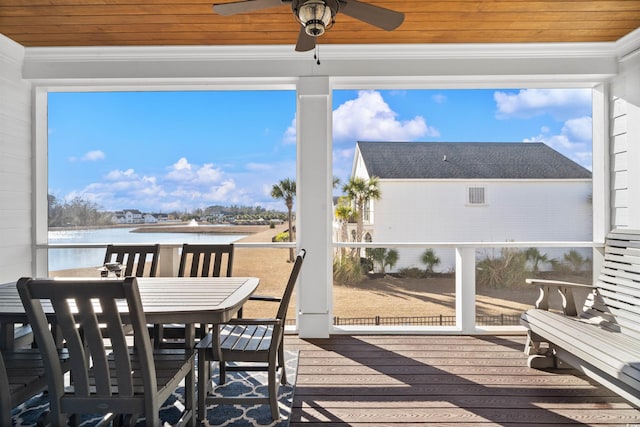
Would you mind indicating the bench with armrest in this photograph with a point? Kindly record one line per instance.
(602, 339)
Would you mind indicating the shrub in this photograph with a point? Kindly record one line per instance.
(576, 262)
(505, 271)
(282, 237)
(347, 270)
(411, 273)
(572, 263)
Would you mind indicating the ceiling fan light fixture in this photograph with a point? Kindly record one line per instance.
(315, 16)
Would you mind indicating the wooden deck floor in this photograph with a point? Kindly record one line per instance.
(399, 380)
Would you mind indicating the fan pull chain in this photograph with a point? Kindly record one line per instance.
(316, 55)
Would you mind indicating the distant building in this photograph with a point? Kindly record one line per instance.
(131, 216)
(472, 192)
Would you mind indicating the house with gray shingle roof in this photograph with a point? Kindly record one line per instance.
(473, 192)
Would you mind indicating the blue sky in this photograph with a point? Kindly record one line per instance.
(176, 151)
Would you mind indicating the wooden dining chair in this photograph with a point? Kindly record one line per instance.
(134, 258)
(258, 341)
(108, 375)
(197, 260)
(22, 376)
(206, 260)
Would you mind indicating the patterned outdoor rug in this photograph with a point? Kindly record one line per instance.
(238, 384)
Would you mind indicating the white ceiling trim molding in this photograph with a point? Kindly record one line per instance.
(583, 63)
(286, 52)
(629, 45)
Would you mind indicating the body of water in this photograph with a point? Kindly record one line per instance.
(67, 258)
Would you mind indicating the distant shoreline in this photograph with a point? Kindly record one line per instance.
(178, 228)
(207, 229)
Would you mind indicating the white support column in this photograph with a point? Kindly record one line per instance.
(466, 289)
(40, 177)
(600, 177)
(314, 208)
(168, 261)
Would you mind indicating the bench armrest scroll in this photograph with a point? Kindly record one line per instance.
(566, 292)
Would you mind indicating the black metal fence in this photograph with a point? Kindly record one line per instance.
(440, 320)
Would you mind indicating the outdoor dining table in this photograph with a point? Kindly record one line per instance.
(165, 300)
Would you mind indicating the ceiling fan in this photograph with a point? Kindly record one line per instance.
(316, 16)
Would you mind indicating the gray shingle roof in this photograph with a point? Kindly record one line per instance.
(467, 160)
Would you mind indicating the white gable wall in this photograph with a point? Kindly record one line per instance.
(15, 164)
(437, 211)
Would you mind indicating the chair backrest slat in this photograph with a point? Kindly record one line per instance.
(134, 258)
(88, 322)
(88, 313)
(203, 260)
(66, 323)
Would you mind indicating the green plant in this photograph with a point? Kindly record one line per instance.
(282, 237)
(576, 261)
(411, 273)
(347, 270)
(508, 270)
(429, 258)
(361, 191)
(286, 190)
(535, 258)
(383, 258)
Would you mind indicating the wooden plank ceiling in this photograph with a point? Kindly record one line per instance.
(193, 22)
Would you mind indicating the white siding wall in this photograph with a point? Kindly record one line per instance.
(619, 164)
(421, 211)
(15, 165)
(625, 144)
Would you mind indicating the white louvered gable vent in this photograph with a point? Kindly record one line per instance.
(476, 196)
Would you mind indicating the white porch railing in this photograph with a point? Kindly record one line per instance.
(465, 275)
(465, 280)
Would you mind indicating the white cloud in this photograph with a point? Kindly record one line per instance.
(116, 175)
(574, 140)
(186, 186)
(370, 118)
(580, 129)
(207, 174)
(559, 103)
(439, 98)
(89, 156)
(290, 133)
(93, 156)
(188, 174)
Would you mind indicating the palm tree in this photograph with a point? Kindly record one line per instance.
(534, 255)
(384, 257)
(343, 213)
(286, 190)
(391, 258)
(360, 191)
(429, 258)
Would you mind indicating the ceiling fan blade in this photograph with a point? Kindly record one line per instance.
(245, 6)
(386, 19)
(305, 41)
